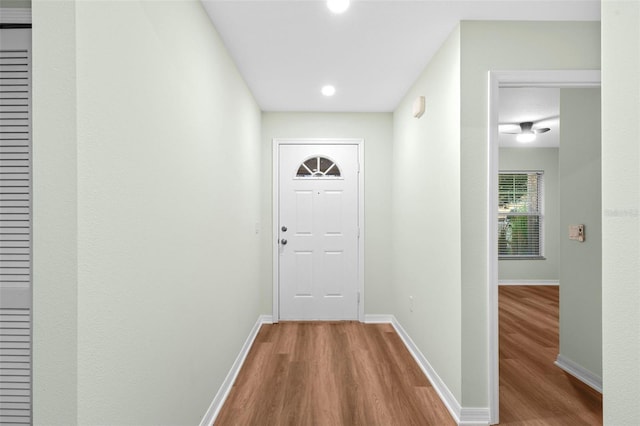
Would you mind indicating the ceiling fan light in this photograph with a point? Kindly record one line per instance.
(526, 137)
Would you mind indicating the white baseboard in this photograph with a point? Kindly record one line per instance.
(579, 372)
(227, 384)
(378, 319)
(528, 282)
(474, 417)
(462, 416)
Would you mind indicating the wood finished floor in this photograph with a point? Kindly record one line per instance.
(331, 373)
(533, 391)
(348, 373)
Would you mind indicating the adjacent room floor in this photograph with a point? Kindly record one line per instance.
(533, 391)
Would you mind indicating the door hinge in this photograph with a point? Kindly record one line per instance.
(358, 298)
(358, 232)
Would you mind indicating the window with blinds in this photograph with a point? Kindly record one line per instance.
(520, 215)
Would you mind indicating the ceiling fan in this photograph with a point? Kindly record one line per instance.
(527, 133)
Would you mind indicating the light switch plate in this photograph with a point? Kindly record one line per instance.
(576, 232)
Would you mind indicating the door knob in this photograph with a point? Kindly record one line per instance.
(284, 229)
(283, 242)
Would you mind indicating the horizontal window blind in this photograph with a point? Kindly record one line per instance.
(520, 214)
(15, 227)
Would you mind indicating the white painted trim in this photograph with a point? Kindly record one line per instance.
(15, 15)
(549, 78)
(492, 251)
(276, 142)
(474, 417)
(528, 282)
(497, 79)
(361, 229)
(378, 319)
(441, 388)
(579, 372)
(466, 416)
(463, 416)
(227, 384)
(275, 246)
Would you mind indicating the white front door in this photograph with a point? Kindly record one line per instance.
(318, 231)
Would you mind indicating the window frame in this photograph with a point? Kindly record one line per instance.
(540, 214)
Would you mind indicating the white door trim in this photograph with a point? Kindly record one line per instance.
(497, 79)
(277, 142)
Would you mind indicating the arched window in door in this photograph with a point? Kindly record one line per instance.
(318, 167)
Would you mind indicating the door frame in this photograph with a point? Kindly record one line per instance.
(276, 144)
(497, 80)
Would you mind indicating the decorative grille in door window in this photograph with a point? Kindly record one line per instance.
(318, 167)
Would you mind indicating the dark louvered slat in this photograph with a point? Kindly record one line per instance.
(15, 236)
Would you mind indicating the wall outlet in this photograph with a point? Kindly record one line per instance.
(410, 303)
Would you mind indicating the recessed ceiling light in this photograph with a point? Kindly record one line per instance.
(338, 6)
(328, 90)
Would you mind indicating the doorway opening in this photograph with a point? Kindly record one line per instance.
(498, 80)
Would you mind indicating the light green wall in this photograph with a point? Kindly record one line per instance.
(55, 226)
(376, 130)
(545, 159)
(122, 286)
(426, 215)
(167, 273)
(621, 207)
(489, 46)
(580, 194)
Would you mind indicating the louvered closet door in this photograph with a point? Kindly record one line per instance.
(15, 226)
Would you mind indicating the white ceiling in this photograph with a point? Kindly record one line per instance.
(287, 50)
(538, 105)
